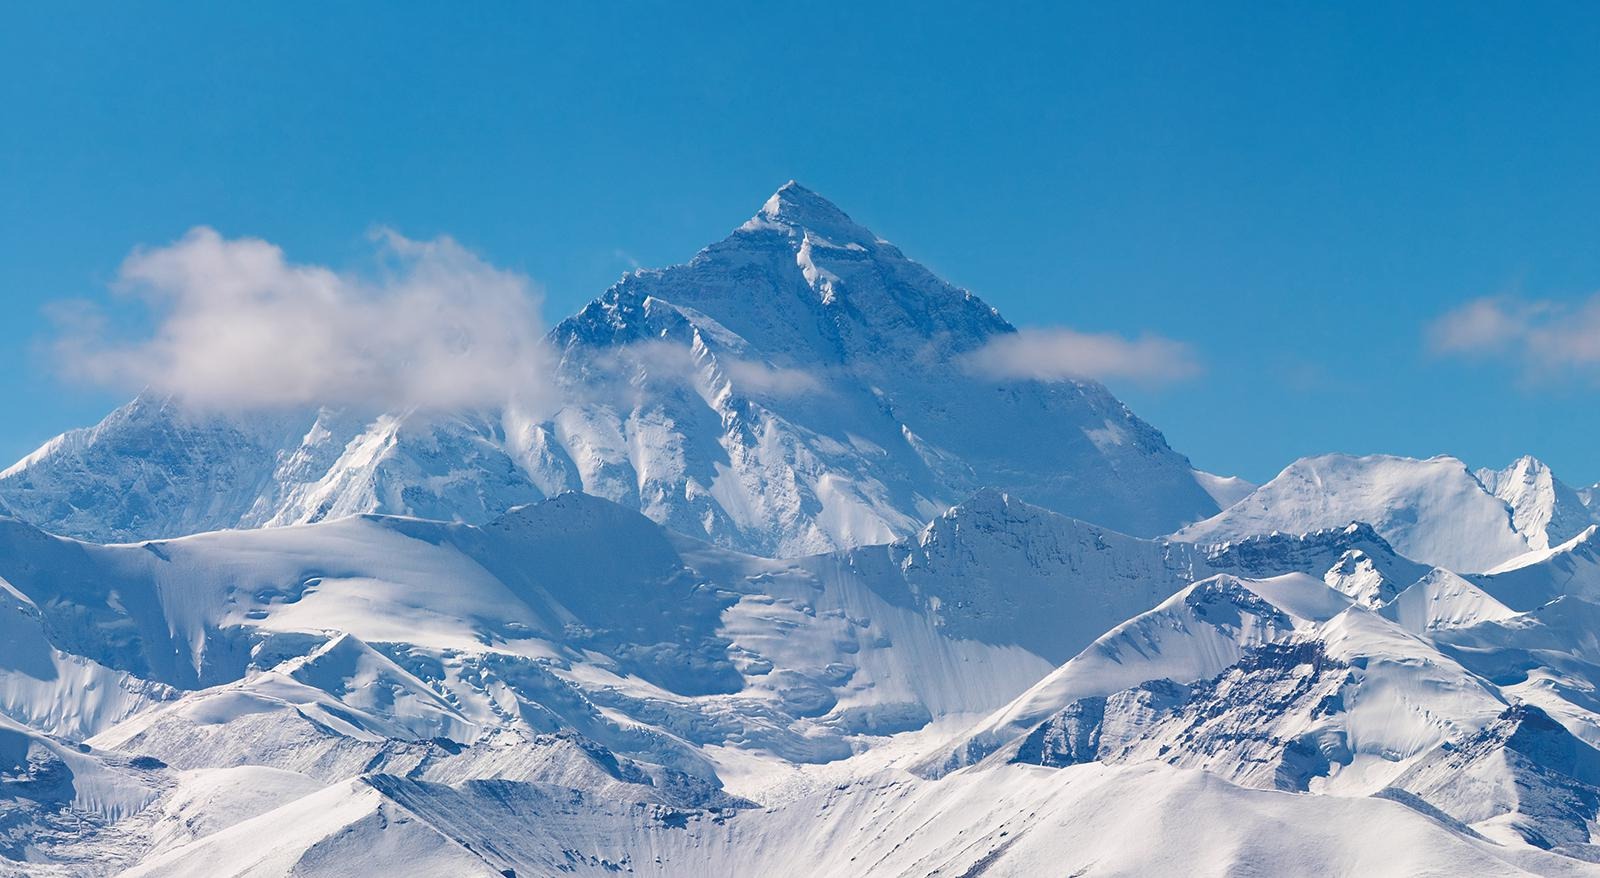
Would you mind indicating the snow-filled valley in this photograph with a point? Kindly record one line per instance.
(781, 587)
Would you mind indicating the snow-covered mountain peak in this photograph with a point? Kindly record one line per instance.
(802, 210)
(803, 284)
(1353, 559)
(1442, 599)
(794, 388)
(989, 507)
(1546, 511)
(1435, 510)
(971, 537)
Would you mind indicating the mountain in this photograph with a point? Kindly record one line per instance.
(1525, 772)
(572, 688)
(1283, 684)
(467, 630)
(1190, 636)
(1544, 510)
(797, 387)
(1352, 560)
(1435, 511)
(528, 650)
(1572, 568)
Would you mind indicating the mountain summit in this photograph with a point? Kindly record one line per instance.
(795, 387)
(1436, 510)
(796, 206)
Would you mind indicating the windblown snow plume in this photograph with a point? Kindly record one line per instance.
(684, 364)
(236, 325)
(1065, 354)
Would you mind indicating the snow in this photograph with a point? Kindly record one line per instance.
(1176, 640)
(1014, 821)
(1226, 490)
(1544, 510)
(1539, 576)
(1444, 600)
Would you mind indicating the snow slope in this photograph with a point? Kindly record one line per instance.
(1013, 820)
(1226, 490)
(1571, 568)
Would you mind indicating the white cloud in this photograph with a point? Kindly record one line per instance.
(761, 379)
(1542, 337)
(237, 325)
(1060, 354)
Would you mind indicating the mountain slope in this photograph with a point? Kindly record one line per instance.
(1571, 568)
(998, 570)
(1226, 490)
(795, 388)
(1010, 821)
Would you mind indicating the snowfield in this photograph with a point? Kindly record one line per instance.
(780, 588)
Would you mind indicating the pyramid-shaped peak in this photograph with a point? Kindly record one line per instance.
(1529, 465)
(803, 210)
(1527, 470)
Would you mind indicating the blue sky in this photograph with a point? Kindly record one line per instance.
(1298, 192)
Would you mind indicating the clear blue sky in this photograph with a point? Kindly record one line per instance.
(1296, 190)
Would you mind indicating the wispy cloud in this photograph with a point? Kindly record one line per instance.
(235, 324)
(1542, 337)
(680, 363)
(626, 258)
(1058, 354)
